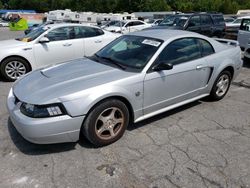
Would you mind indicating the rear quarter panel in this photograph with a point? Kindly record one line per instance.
(225, 56)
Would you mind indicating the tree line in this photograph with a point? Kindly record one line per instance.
(224, 6)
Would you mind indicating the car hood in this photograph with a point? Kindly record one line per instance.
(54, 83)
(11, 43)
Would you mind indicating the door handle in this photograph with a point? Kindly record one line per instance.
(67, 44)
(199, 67)
(98, 41)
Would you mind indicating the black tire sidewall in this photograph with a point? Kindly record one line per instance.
(88, 128)
(213, 94)
(6, 61)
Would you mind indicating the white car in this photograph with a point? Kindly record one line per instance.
(128, 26)
(48, 45)
(4, 23)
(155, 22)
(237, 22)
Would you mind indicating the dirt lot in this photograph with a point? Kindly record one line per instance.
(203, 144)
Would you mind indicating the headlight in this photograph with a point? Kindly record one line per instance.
(42, 111)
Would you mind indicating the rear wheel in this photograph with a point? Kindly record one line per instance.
(106, 123)
(221, 86)
(14, 67)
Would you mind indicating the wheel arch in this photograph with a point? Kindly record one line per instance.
(229, 69)
(118, 97)
(17, 56)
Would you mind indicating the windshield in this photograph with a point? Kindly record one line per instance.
(33, 34)
(237, 21)
(176, 20)
(130, 52)
(119, 24)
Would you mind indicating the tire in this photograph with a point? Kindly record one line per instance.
(14, 67)
(110, 118)
(246, 59)
(217, 93)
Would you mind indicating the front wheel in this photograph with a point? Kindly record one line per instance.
(106, 123)
(221, 86)
(14, 67)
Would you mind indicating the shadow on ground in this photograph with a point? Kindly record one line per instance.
(35, 149)
(163, 115)
(29, 148)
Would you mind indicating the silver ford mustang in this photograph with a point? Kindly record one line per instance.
(133, 78)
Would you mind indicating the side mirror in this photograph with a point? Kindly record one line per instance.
(44, 40)
(163, 66)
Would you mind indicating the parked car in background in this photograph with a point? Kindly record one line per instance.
(244, 37)
(155, 22)
(4, 23)
(209, 24)
(35, 26)
(233, 28)
(229, 19)
(128, 26)
(48, 45)
(109, 24)
(137, 76)
(235, 23)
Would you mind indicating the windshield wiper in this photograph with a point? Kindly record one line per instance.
(113, 61)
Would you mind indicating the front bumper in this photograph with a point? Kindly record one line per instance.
(44, 130)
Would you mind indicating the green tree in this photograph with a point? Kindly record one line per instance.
(225, 6)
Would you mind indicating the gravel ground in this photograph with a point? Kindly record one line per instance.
(203, 144)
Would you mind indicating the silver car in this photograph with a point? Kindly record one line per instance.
(133, 78)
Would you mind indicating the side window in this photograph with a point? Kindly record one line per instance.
(206, 20)
(63, 33)
(78, 33)
(206, 47)
(129, 24)
(99, 32)
(218, 19)
(138, 23)
(180, 51)
(194, 21)
(89, 32)
(245, 25)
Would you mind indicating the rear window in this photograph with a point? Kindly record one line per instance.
(218, 19)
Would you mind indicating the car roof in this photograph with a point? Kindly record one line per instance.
(165, 34)
(242, 17)
(67, 25)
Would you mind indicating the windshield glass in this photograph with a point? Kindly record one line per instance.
(119, 24)
(176, 20)
(130, 52)
(33, 34)
(237, 21)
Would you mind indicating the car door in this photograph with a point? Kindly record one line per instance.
(185, 80)
(128, 27)
(194, 24)
(244, 33)
(94, 40)
(61, 47)
(206, 25)
(138, 25)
